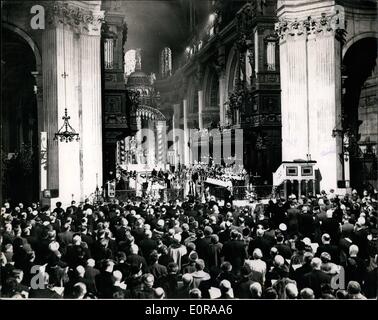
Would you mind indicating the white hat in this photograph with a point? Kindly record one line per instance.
(282, 227)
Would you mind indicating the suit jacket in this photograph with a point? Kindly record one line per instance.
(293, 220)
(242, 289)
(306, 224)
(158, 271)
(331, 249)
(262, 243)
(90, 276)
(135, 259)
(332, 227)
(370, 287)
(147, 246)
(314, 280)
(202, 248)
(65, 237)
(104, 284)
(44, 294)
(298, 275)
(233, 251)
(284, 250)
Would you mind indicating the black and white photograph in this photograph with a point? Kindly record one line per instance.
(212, 151)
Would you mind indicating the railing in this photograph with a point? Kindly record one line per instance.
(155, 194)
(243, 192)
(164, 194)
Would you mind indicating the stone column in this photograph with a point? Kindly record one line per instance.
(222, 85)
(200, 109)
(186, 133)
(151, 142)
(324, 96)
(138, 139)
(285, 188)
(72, 80)
(294, 104)
(50, 78)
(310, 82)
(91, 109)
(161, 142)
(175, 121)
(60, 79)
(299, 188)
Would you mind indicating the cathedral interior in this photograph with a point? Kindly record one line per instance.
(117, 67)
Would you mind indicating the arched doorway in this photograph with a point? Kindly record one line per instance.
(19, 130)
(360, 111)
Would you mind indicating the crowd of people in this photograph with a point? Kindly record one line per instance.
(316, 247)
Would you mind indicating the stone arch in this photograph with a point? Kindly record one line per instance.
(360, 109)
(206, 79)
(356, 38)
(23, 113)
(29, 40)
(210, 77)
(231, 67)
(192, 97)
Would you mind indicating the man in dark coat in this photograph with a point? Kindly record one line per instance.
(147, 245)
(370, 286)
(298, 274)
(261, 242)
(316, 278)
(157, 270)
(234, 252)
(104, 281)
(326, 246)
(90, 275)
(331, 226)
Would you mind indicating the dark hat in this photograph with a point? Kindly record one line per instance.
(325, 257)
(245, 271)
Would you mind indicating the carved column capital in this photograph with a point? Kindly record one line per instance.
(324, 24)
(80, 17)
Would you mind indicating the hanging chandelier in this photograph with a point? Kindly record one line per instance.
(66, 133)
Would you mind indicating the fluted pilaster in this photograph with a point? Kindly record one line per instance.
(310, 82)
(222, 85)
(71, 47)
(200, 109)
(91, 112)
(50, 103)
(186, 132)
(294, 99)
